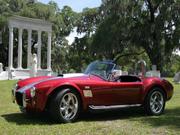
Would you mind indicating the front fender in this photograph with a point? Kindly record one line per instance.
(68, 85)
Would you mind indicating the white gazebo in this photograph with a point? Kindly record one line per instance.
(30, 24)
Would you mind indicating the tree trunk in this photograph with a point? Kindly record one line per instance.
(156, 59)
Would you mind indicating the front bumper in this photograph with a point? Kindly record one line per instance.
(24, 101)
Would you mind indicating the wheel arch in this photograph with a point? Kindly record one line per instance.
(155, 86)
(54, 91)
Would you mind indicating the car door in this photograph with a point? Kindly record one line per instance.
(116, 93)
(102, 93)
(127, 92)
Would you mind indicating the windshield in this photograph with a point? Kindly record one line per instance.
(101, 69)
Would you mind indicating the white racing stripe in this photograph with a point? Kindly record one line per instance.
(26, 87)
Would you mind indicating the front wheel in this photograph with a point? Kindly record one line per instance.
(155, 102)
(65, 106)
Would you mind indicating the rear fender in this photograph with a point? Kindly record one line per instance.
(149, 87)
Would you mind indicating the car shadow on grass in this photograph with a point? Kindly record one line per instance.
(171, 117)
(115, 114)
(45, 119)
(27, 119)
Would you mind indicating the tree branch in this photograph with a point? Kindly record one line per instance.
(127, 54)
(156, 7)
(151, 9)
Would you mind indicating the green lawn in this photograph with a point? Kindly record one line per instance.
(125, 122)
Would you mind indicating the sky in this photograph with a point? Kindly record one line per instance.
(76, 5)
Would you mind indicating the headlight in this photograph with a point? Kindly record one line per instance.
(15, 86)
(33, 92)
(14, 92)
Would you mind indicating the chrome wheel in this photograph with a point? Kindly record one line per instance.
(68, 106)
(156, 102)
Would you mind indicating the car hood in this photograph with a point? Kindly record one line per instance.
(36, 80)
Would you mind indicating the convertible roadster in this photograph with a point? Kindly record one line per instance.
(101, 86)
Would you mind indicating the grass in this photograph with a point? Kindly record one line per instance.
(124, 121)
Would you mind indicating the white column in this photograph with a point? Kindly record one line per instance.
(29, 48)
(20, 49)
(49, 52)
(11, 36)
(39, 51)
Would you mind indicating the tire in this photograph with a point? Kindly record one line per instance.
(65, 106)
(155, 102)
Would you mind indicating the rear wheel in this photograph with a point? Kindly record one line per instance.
(65, 106)
(155, 102)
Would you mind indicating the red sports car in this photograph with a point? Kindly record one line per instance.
(100, 87)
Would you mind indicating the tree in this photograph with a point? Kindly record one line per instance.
(17, 5)
(110, 38)
(158, 30)
(88, 21)
(80, 54)
(152, 25)
(113, 34)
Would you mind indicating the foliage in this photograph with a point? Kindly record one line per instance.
(110, 39)
(152, 25)
(159, 29)
(88, 21)
(172, 67)
(81, 54)
(59, 58)
(113, 33)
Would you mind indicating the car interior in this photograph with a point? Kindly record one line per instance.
(127, 78)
